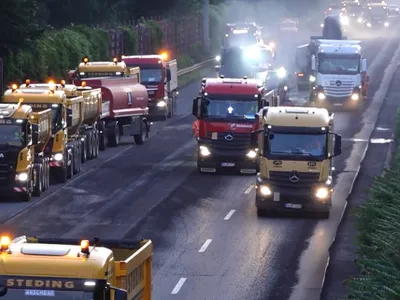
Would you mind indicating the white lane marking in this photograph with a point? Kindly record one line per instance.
(355, 140)
(381, 141)
(178, 286)
(229, 215)
(205, 245)
(249, 189)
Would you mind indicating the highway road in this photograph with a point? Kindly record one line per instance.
(209, 243)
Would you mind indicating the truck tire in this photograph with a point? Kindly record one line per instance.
(77, 158)
(102, 135)
(38, 180)
(26, 197)
(84, 150)
(96, 146)
(70, 168)
(113, 134)
(46, 174)
(142, 136)
(324, 214)
(89, 144)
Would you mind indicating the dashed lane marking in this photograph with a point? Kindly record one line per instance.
(178, 286)
(229, 215)
(249, 189)
(205, 246)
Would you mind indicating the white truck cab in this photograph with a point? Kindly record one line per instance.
(338, 70)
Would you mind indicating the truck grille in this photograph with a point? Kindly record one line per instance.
(305, 178)
(240, 141)
(7, 168)
(342, 91)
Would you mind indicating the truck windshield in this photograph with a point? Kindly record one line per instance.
(151, 75)
(12, 135)
(25, 294)
(231, 109)
(242, 39)
(378, 12)
(339, 65)
(289, 144)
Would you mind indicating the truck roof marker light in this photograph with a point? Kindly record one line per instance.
(164, 55)
(20, 100)
(115, 60)
(27, 82)
(85, 247)
(85, 60)
(123, 56)
(5, 242)
(63, 83)
(14, 87)
(83, 84)
(52, 86)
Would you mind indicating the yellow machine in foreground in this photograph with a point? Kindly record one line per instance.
(61, 269)
(24, 169)
(296, 146)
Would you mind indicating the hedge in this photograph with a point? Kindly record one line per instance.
(378, 241)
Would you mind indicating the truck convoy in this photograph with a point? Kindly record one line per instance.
(225, 112)
(337, 72)
(160, 76)
(24, 134)
(241, 35)
(125, 99)
(63, 269)
(295, 148)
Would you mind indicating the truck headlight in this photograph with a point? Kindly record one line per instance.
(386, 24)
(359, 20)
(58, 156)
(251, 154)
(322, 193)
(369, 25)
(321, 96)
(161, 103)
(281, 73)
(204, 151)
(265, 191)
(355, 97)
(312, 78)
(218, 58)
(22, 177)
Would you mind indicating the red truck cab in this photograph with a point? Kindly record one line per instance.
(160, 76)
(225, 112)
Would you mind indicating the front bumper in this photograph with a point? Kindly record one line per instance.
(155, 110)
(231, 160)
(326, 100)
(285, 198)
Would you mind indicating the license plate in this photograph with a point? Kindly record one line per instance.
(227, 164)
(277, 197)
(291, 205)
(338, 104)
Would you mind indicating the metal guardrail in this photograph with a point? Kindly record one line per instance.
(195, 67)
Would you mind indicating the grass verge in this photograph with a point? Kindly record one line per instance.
(378, 240)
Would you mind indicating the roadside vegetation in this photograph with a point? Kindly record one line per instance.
(379, 237)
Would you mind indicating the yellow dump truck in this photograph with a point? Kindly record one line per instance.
(64, 148)
(24, 134)
(296, 147)
(71, 269)
(92, 128)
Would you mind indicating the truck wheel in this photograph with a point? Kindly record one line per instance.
(38, 180)
(89, 144)
(70, 168)
(171, 108)
(141, 137)
(96, 146)
(102, 136)
(113, 135)
(46, 174)
(77, 158)
(84, 151)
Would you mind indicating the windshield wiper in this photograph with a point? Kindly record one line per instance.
(302, 153)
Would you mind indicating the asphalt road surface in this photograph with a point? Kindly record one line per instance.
(209, 243)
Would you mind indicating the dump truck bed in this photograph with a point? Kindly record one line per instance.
(76, 105)
(92, 105)
(43, 120)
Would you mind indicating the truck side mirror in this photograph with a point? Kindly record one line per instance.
(168, 75)
(338, 145)
(196, 107)
(119, 294)
(35, 134)
(217, 68)
(313, 63)
(69, 117)
(363, 65)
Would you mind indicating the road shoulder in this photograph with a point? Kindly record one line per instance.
(343, 251)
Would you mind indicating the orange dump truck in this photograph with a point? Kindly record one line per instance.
(63, 269)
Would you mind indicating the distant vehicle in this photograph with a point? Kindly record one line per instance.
(377, 16)
(288, 25)
(394, 10)
(241, 35)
